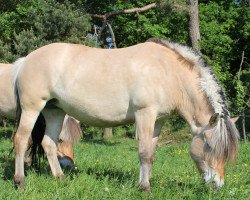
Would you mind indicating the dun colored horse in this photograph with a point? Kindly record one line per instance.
(70, 133)
(109, 87)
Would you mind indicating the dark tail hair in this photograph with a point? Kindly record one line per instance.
(37, 134)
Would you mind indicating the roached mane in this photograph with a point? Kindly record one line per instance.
(224, 142)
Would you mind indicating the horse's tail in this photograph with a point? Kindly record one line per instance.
(39, 128)
(17, 66)
(71, 130)
(37, 135)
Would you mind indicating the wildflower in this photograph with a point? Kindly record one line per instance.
(232, 192)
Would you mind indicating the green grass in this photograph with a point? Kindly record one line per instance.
(109, 169)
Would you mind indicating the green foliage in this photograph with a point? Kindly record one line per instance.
(5, 53)
(54, 21)
(35, 23)
(90, 132)
(175, 122)
(124, 131)
(224, 36)
(26, 41)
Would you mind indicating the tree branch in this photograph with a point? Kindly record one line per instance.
(105, 17)
(241, 63)
(112, 35)
(126, 11)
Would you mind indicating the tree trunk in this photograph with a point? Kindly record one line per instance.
(244, 126)
(107, 133)
(194, 30)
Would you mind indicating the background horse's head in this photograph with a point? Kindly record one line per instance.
(213, 145)
(70, 134)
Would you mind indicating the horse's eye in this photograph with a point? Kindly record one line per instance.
(60, 141)
(208, 148)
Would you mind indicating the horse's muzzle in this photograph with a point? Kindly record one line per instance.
(66, 162)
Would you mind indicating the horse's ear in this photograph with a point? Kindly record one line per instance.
(214, 119)
(235, 119)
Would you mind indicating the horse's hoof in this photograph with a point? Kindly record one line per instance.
(19, 182)
(145, 188)
(61, 177)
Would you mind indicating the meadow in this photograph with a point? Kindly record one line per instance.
(109, 169)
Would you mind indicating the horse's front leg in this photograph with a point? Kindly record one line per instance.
(27, 121)
(145, 120)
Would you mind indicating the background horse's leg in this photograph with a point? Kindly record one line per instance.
(54, 121)
(157, 129)
(27, 121)
(145, 120)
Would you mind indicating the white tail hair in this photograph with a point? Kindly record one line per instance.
(17, 66)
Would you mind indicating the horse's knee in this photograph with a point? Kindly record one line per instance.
(146, 157)
(20, 143)
(17, 139)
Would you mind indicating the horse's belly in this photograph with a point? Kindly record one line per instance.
(98, 112)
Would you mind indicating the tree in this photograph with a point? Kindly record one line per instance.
(194, 29)
(225, 35)
(49, 24)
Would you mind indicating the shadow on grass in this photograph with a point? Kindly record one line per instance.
(8, 167)
(111, 174)
(202, 188)
(101, 142)
(6, 133)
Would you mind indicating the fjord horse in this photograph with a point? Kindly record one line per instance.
(109, 87)
(69, 135)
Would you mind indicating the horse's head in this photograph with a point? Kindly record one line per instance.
(71, 133)
(212, 146)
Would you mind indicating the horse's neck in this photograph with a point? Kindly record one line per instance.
(195, 106)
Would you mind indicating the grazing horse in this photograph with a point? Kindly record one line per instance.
(110, 87)
(70, 134)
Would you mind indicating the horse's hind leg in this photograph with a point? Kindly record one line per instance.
(27, 121)
(145, 120)
(54, 120)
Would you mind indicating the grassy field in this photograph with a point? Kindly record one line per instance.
(109, 169)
